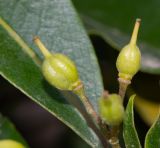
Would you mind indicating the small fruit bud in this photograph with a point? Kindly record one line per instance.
(111, 109)
(10, 144)
(129, 59)
(58, 69)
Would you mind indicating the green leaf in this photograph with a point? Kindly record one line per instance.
(8, 131)
(114, 21)
(60, 29)
(129, 131)
(152, 139)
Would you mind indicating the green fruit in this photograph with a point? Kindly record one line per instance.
(129, 59)
(58, 69)
(10, 144)
(111, 109)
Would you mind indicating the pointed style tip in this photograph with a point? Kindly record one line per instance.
(35, 38)
(41, 46)
(138, 20)
(135, 31)
(137, 24)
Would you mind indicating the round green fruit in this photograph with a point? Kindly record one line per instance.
(111, 109)
(60, 71)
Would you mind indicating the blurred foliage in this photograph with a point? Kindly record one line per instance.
(114, 20)
(9, 132)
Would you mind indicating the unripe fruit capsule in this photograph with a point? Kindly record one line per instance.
(58, 69)
(7, 143)
(129, 59)
(111, 109)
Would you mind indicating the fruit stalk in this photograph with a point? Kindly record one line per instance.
(80, 92)
(123, 84)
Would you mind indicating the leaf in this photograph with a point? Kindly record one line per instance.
(148, 110)
(59, 27)
(8, 131)
(129, 131)
(114, 21)
(152, 139)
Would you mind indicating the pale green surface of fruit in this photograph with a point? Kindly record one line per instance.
(111, 109)
(10, 144)
(129, 61)
(60, 71)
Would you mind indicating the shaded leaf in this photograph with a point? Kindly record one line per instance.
(59, 27)
(152, 139)
(8, 131)
(114, 20)
(129, 131)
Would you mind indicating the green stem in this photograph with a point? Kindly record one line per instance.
(135, 32)
(41, 46)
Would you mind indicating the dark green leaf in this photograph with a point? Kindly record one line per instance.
(114, 20)
(8, 131)
(152, 139)
(129, 131)
(59, 27)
